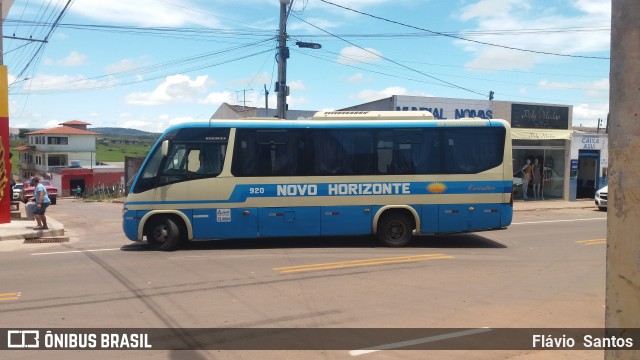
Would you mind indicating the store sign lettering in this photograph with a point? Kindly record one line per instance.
(539, 116)
(438, 113)
(546, 115)
(589, 143)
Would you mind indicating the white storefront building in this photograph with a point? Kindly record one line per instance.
(539, 131)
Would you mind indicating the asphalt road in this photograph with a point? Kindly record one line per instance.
(546, 271)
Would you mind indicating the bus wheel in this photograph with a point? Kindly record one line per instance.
(394, 230)
(164, 234)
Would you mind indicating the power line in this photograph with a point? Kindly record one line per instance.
(41, 47)
(465, 39)
(393, 61)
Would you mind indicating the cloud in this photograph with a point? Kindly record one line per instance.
(492, 16)
(355, 78)
(491, 8)
(319, 23)
(588, 114)
(359, 78)
(261, 78)
(501, 59)
(136, 124)
(122, 66)
(145, 12)
(217, 98)
(598, 89)
(74, 59)
(355, 55)
(372, 95)
(551, 85)
(295, 103)
(157, 125)
(296, 85)
(65, 82)
(175, 89)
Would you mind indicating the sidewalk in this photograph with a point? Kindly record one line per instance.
(530, 205)
(23, 229)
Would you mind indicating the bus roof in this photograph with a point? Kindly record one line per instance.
(348, 119)
(373, 115)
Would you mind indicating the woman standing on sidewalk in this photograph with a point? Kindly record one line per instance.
(42, 202)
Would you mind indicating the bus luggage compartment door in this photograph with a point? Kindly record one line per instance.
(468, 217)
(298, 221)
(346, 220)
(225, 223)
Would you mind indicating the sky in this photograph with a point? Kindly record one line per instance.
(149, 64)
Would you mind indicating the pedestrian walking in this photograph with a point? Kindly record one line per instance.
(42, 202)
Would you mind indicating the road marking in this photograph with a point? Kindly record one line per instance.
(74, 251)
(429, 339)
(555, 221)
(365, 262)
(593, 242)
(9, 296)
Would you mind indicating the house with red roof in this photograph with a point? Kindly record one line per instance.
(68, 145)
(67, 156)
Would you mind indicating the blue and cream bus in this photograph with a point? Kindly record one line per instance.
(390, 174)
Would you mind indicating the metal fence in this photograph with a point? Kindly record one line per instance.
(104, 191)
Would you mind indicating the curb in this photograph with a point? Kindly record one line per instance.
(22, 229)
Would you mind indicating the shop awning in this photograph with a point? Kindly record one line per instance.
(540, 134)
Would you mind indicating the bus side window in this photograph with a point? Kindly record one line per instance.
(384, 151)
(342, 152)
(245, 154)
(469, 151)
(269, 152)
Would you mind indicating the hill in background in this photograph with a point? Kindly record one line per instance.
(116, 131)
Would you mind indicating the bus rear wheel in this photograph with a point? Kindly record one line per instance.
(395, 230)
(164, 234)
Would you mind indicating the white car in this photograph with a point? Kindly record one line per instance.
(602, 197)
(16, 191)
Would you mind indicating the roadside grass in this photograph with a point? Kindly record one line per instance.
(117, 152)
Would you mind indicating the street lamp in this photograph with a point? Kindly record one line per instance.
(308, 45)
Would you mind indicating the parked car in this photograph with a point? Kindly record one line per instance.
(16, 191)
(601, 198)
(27, 191)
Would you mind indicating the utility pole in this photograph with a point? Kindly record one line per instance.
(266, 101)
(5, 157)
(623, 247)
(283, 54)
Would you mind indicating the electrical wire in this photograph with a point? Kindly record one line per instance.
(465, 39)
(395, 62)
(157, 71)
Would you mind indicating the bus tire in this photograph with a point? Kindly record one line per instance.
(164, 234)
(394, 230)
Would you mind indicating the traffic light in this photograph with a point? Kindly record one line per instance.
(490, 95)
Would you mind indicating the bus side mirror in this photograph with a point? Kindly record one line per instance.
(165, 148)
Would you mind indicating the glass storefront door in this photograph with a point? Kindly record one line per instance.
(538, 173)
